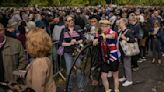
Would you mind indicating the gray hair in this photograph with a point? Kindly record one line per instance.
(31, 25)
(124, 20)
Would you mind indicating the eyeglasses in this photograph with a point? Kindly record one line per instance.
(70, 20)
(93, 21)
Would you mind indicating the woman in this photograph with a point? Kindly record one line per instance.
(22, 33)
(160, 36)
(40, 71)
(156, 42)
(109, 54)
(128, 36)
(69, 39)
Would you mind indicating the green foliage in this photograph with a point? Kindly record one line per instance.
(39, 2)
(54, 2)
(139, 2)
(79, 2)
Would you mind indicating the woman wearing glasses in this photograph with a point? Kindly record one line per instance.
(71, 37)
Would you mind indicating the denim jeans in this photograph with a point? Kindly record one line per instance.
(156, 49)
(69, 59)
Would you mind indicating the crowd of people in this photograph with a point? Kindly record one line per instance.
(28, 36)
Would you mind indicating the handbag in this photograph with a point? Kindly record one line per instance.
(130, 49)
(60, 51)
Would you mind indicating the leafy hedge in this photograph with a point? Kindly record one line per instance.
(83, 2)
(139, 2)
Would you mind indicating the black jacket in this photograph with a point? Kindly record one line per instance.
(129, 34)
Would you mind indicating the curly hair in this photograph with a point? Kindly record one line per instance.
(39, 43)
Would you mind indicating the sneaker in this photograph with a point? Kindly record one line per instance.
(81, 90)
(127, 83)
(109, 90)
(109, 74)
(153, 61)
(135, 69)
(117, 90)
(122, 79)
(159, 61)
(140, 61)
(143, 57)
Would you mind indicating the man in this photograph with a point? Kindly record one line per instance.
(90, 36)
(12, 56)
(108, 43)
(11, 29)
(92, 28)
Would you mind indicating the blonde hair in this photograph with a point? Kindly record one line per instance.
(156, 23)
(39, 43)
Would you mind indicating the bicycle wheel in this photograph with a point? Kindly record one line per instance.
(88, 69)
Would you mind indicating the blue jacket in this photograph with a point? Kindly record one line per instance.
(160, 36)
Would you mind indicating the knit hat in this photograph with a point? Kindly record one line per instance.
(39, 24)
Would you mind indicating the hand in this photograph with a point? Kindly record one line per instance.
(103, 35)
(95, 42)
(79, 42)
(73, 42)
(10, 29)
(123, 37)
(20, 73)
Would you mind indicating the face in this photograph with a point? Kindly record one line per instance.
(121, 23)
(11, 29)
(70, 21)
(93, 22)
(132, 21)
(104, 27)
(156, 13)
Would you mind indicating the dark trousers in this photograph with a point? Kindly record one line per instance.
(142, 51)
(134, 61)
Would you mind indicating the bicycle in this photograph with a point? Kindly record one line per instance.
(89, 68)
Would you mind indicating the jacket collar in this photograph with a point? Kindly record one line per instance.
(7, 42)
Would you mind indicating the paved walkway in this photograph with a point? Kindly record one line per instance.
(149, 78)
